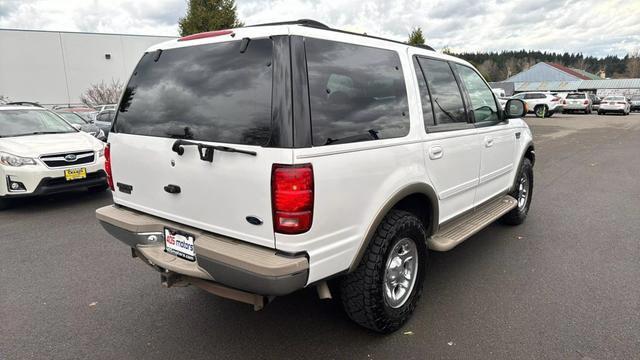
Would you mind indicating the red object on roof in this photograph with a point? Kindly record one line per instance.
(206, 35)
(568, 71)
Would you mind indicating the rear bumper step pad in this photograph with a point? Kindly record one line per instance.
(231, 262)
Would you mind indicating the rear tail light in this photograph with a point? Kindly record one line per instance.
(206, 35)
(555, 99)
(586, 102)
(292, 198)
(107, 165)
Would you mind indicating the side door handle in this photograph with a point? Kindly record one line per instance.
(488, 142)
(436, 152)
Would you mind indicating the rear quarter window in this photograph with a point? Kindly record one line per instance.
(207, 92)
(357, 93)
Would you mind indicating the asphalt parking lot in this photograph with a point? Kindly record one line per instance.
(564, 285)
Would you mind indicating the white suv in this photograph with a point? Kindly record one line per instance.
(257, 161)
(542, 104)
(40, 153)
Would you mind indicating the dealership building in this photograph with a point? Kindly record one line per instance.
(55, 67)
(545, 76)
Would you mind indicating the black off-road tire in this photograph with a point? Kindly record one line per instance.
(519, 214)
(362, 291)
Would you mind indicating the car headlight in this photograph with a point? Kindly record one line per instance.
(101, 152)
(13, 160)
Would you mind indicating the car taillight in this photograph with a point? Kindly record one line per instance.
(107, 165)
(586, 102)
(555, 99)
(292, 198)
(564, 102)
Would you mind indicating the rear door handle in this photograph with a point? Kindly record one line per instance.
(488, 143)
(436, 152)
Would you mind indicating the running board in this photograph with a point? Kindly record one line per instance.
(459, 230)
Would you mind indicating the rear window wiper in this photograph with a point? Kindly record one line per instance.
(206, 151)
(369, 135)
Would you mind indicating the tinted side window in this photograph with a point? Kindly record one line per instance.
(482, 100)
(209, 92)
(357, 93)
(445, 93)
(427, 110)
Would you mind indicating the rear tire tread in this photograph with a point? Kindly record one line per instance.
(362, 290)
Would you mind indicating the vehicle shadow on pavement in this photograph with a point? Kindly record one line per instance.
(55, 202)
(302, 326)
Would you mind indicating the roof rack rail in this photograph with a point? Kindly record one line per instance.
(424, 46)
(319, 25)
(24, 103)
(303, 22)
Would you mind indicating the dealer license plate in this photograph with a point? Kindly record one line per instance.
(75, 174)
(179, 244)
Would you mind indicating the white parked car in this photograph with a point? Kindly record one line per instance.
(578, 102)
(356, 156)
(40, 154)
(100, 108)
(542, 104)
(614, 104)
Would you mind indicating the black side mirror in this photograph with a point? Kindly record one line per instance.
(515, 108)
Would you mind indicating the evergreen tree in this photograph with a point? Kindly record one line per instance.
(209, 15)
(416, 37)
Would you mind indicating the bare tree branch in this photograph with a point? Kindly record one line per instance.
(102, 93)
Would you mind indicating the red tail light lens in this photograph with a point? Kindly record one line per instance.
(206, 35)
(556, 99)
(586, 102)
(292, 198)
(107, 165)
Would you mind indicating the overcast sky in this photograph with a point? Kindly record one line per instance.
(593, 27)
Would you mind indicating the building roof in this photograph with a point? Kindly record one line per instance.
(547, 86)
(589, 75)
(544, 71)
(577, 85)
(610, 84)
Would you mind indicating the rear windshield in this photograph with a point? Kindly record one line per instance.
(31, 122)
(635, 97)
(208, 92)
(614, 98)
(576, 96)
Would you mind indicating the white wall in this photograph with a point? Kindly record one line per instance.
(56, 67)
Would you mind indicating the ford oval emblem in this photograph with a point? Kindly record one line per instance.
(70, 157)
